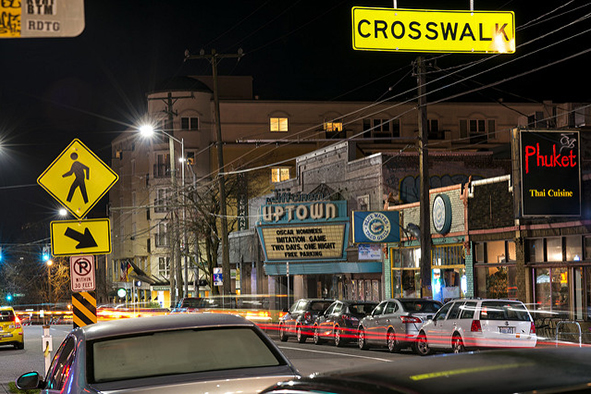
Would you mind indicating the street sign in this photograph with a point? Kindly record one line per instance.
(82, 273)
(80, 237)
(49, 18)
(217, 276)
(403, 30)
(78, 179)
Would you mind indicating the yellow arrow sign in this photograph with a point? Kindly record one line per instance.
(403, 30)
(77, 237)
(78, 179)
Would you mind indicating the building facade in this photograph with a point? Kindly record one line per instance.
(264, 137)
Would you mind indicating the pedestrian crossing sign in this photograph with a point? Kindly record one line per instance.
(78, 179)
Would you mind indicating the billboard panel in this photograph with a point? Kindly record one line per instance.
(550, 173)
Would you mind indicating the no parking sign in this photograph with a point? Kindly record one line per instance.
(82, 273)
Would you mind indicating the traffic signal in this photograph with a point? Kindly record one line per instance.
(8, 297)
(45, 256)
(0, 254)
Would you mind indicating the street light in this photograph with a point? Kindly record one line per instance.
(148, 131)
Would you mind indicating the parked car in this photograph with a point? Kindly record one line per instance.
(182, 353)
(395, 323)
(473, 324)
(298, 320)
(541, 370)
(11, 330)
(340, 321)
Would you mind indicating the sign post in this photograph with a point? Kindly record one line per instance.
(78, 179)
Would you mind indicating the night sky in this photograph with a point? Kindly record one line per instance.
(94, 86)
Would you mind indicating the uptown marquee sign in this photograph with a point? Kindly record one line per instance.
(440, 31)
(304, 231)
(550, 173)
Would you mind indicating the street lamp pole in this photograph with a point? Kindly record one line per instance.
(148, 130)
(49, 263)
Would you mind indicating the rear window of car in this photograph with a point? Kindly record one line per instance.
(319, 305)
(178, 352)
(420, 306)
(6, 316)
(362, 309)
(499, 310)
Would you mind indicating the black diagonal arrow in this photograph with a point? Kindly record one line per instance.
(84, 240)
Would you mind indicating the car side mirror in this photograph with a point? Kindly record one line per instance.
(30, 381)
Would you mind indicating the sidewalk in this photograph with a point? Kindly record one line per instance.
(4, 388)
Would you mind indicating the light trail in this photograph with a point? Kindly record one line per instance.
(335, 353)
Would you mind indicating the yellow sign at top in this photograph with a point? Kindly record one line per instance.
(402, 30)
(78, 179)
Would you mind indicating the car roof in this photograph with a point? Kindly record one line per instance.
(6, 308)
(494, 371)
(161, 323)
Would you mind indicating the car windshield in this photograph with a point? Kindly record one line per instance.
(499, 310)
(177, 352)
(193, 303)
(6, 316)
(420, 306)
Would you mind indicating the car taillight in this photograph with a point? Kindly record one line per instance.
(307, 316)
(475, 327)
(410, 319)
(17, 322)
(532, 329)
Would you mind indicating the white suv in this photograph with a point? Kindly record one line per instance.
(475, 323)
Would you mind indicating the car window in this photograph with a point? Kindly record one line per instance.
(330, 309)
(338, 307)
(440, 315)
(502, 310)
(6, 316)
(300, 307)
(361, 309)
(320, 306)
(60, 366)
(391, 307)
(420, 306)
(468, 310)
(454, 313)
(379, 309)
(178, 352)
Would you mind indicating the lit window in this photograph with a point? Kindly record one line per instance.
(278, 124)
(279, 174)
(333, 126)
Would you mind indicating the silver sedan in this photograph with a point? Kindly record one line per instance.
(185, 353)
(395, 323)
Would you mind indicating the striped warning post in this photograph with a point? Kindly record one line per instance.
(84, 308)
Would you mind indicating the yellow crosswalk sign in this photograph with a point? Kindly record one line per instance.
(78, 179)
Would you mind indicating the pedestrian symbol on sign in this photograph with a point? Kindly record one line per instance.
(79, 170)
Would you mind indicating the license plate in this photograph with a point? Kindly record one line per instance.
(507, 330)
(6, 335)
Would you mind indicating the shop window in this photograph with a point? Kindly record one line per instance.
(574, 248)
(278, 125)
(551, 288)
(554, 249)
(496, 282)
(535, 250)
(363, 203)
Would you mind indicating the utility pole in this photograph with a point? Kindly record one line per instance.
(175, 277)
(214, 58)
(425, 205)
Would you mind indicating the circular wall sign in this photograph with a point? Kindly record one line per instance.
(376, 226)
(441, 214)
